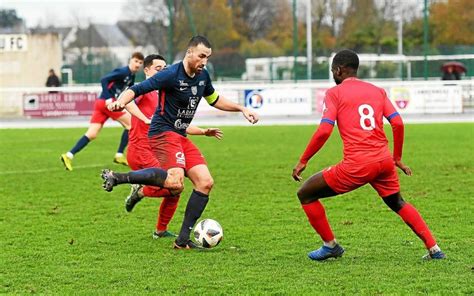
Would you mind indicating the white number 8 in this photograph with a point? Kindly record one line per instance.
(369, 116)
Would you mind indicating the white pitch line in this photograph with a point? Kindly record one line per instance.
(52, 169)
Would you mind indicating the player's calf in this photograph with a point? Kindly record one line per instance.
(413, 219)
(150, 176)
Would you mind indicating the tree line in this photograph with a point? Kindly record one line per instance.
(239, 29)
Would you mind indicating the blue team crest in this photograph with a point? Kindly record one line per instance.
(194, 90)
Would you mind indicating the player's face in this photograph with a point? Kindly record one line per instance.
(198, 57)
(154, 68)
(135, 65)
(336, 74)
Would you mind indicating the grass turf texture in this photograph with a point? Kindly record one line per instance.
(62, 234)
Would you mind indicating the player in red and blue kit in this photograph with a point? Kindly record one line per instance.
(181, 87)
(140, 155)
(113, 84)
(358, 108)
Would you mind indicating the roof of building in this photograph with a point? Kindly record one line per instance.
(112, 35)
(99, 35)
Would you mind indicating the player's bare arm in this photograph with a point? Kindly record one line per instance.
(398, 130)
(125, 98)
(317, 141)
(135, 111)
(208, 132)
(227, 105)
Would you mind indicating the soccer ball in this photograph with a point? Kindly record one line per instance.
(208, 233)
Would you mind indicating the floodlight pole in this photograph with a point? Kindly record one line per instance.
(295, 40)
(309, 40)
(170, 32)
(400, 37)
(425, 40)
(190, 17)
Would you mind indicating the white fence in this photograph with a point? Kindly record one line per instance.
(268, 99)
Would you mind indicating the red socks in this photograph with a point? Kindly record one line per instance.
(413, 219)
(317, 218)
(167, 209)
(152, 191)
(168, 205)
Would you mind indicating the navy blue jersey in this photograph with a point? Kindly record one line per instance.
(179, 97)
(114, 83)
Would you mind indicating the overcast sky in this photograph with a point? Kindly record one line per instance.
(65, 12)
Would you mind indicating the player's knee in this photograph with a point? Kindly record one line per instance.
(395, 202)
(180, 187)
(91, 136)
(305, 197)
(207, 183)
(204, 185)
(178, 190)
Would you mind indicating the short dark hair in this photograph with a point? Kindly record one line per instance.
(138, 55)
(346, 58)
(198, 39)
(149, 59)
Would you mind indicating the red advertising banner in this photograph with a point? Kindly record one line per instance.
(56, 104)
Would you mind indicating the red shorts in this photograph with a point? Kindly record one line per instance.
(101, 113)
(175, 151)
(141, 157)
(381, 175)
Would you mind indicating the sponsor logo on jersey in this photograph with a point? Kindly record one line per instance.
(193, 103)
(186, 113)
(180, 158)
(178, 124)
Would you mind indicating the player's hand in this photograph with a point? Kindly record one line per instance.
(115, 106)
(251, 116)
(299, 168)
(214, 132)
(403, 167)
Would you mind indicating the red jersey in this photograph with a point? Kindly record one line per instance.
(358, 108)
(138, 135)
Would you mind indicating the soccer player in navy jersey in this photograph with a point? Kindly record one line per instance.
(358, 108)
(140, 155)
(113, 84)
(181, 87)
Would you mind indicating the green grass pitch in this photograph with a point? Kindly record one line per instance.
(62, 234)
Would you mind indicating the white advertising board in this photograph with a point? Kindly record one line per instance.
(204, 109)
(428, 100)
(279, 101)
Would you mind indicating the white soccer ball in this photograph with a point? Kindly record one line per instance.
(208, 233)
